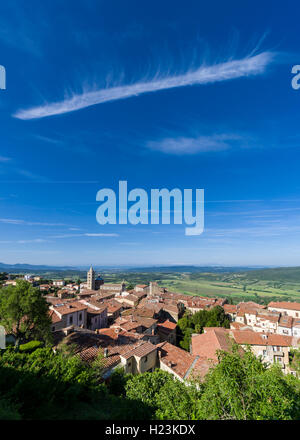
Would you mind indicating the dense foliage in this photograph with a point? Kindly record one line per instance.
(48, 385)
(24, 312)
(190, 324)
(238, 388)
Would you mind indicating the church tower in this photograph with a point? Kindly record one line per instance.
(91, 279)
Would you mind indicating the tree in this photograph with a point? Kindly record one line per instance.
(117, 382)
(190, 324)
(177, 401)
(295, 360)
(169, 398)
(242, 387)
(24, 312)
(186, 341)
(145, 387)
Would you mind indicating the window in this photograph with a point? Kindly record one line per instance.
(264, 352)
(71, 320)
(80, 316)
(145, 358)
(53, 329)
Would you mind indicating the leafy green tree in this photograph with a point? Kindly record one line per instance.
(186, 341)
(117, 382)
(177, 401)
(184, 322)
(145, 387)
(190, 324)
(24, 312)
(241, 387)
(169, 398)
(295, 360)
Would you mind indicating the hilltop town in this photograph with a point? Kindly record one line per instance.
(137, 328)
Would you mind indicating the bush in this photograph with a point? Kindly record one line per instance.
(30, 346)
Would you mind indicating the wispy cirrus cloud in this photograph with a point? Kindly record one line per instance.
(228, 70)
(35, 240)
(86, 234)
(4, 159)
(192, 145)
(13, 221)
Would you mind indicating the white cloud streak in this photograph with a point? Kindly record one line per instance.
(86, 234)
(193, 145)
(232, 69)
(11, 221)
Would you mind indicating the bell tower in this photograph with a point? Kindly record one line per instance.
(91, 279)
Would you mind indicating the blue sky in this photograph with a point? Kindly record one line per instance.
(161, 94)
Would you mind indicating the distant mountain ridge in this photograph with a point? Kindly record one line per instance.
(33, 267)
(175, 268)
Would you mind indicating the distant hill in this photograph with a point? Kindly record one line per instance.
(33, 267)
(191, 269)
(150, 269)
(281, 274)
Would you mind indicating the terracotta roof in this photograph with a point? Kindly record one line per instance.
(64, 308)
(207, 344)
(201, 368)
(113, 356)
(170, 308)
(86, 292)
(255, 338)
(141, 350)
(113, 333)
(144, 312)
(93, 305)
(250, 304)
(286, 321)
(230, 308)
(139, 294)
(296, 322)
(92, 311)
(131, 322)
(268, 315)
(54, 317)
(285, 305)
(168, 325)
(239, 326)
(178, 360)
(130, 298)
